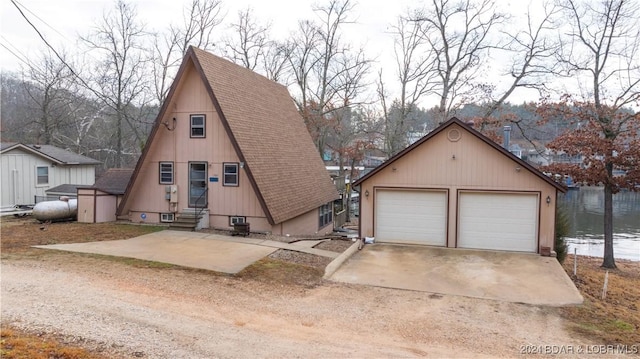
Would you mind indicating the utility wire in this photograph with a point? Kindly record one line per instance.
(21, 57)
(86, 85)
(39, 18)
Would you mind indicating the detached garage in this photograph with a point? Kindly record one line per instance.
(457, 188)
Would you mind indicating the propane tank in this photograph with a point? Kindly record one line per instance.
(64, 208)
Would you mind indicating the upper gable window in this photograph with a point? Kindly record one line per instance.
(42, 175)
(198, 126)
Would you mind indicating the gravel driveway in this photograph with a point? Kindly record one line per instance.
(175, 313)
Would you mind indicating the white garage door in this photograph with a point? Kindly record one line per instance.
(411, 217)
(502, 221)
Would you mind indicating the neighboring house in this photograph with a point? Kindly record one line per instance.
(457, 188)
(28, 171)
(516, 150)
(232, 143)
(68, 190)
(537, 159)
(99, 203)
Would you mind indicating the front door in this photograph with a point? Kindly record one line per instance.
(197, 184)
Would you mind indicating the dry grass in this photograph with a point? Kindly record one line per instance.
(616, 319)
(17, 344)
(270, 271)
(19, 234)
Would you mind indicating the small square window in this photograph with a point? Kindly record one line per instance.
(237, 220)
(42, 175)
(166, 172)
(230, 174)
(167, 217)
(198, 126)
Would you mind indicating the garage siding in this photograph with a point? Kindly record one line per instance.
(499, 221)
(411, 216)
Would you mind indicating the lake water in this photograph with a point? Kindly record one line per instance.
(585, 208)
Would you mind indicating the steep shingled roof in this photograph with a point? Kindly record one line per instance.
(272, 138)
(268, 134)
(56, 154)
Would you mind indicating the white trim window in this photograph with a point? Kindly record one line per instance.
(198, 126)
(167, 217)
(230, 177)
(237, 220)
(166, 172)
(42, 175)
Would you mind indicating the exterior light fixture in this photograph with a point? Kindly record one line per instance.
(548, 199)
(241, 164)
(366, 193)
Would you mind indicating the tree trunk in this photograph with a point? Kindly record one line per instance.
(351, 174)
(119, 140)
(609, 261)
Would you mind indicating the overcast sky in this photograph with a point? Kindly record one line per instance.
(61, 21)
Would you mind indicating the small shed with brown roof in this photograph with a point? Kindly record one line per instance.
(230, 143)
(99, 203)
(457, 188)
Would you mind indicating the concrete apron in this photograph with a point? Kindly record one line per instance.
(504, 276)
(188, 249)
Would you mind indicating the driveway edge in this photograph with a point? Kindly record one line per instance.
(336, 263)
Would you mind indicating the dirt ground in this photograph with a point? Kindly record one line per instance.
(614, 319)
(274, 308)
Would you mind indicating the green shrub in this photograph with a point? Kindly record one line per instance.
(562, 230)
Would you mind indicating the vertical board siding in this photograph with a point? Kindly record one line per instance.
(301, 224)
(178, 147)
(105, 207)
(86, 198)
(24, 188)
(477, 166)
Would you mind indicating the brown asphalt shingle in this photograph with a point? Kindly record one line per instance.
(114, 181)
(275, 143)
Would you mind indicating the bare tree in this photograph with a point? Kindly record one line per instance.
(249, 41)
(301, 57)
(603, 48)
(416, 78)
(275, 61)
(200, 19)
(166, 59)
(534, 52)
(320, 64)
(120, 76)
(392, 130)
(47, 82)
(459, 34)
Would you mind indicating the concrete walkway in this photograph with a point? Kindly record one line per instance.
(504, 276)
(191, 249)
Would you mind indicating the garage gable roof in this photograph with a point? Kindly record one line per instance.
(473, 132)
